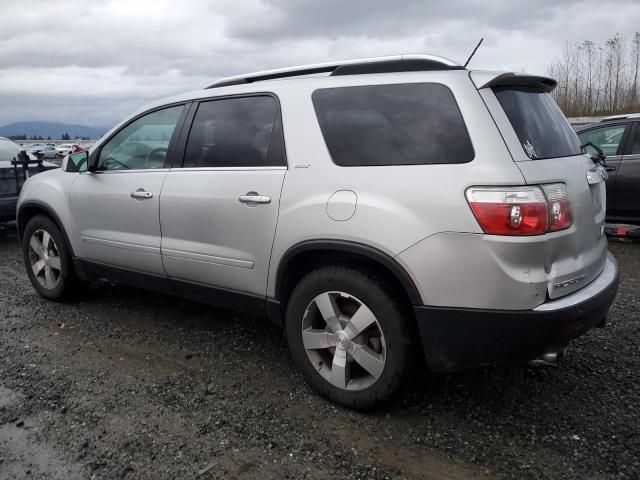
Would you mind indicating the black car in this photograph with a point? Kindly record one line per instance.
(619, 139)
(16, 166)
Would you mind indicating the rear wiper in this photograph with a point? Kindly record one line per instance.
(600, 158)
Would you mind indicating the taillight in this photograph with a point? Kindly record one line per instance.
(530, 210)
(560, 216)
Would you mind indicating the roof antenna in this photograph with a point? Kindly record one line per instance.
(472, 53)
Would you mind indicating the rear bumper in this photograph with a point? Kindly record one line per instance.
(455, 338)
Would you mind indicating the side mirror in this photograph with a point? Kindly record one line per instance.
(76, 162)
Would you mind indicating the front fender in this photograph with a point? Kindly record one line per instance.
(48, 192)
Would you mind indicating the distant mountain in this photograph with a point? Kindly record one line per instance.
(51, 129)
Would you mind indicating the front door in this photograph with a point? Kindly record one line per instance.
(610, 138)
(628, 180)
(116, 209)
(219, 211)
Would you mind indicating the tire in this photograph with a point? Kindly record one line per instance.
(54, 279)
(367, 364)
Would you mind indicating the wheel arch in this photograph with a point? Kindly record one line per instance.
(306, 256)
(30, 209)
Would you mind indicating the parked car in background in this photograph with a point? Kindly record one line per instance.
(13, 175)
(619, 139)
(65, 149)
(43, 151)
(420, 208)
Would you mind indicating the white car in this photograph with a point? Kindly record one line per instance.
(65, 149)
(43, 151)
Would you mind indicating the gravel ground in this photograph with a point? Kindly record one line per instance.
(132, 384)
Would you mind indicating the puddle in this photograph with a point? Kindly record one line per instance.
(25, 457)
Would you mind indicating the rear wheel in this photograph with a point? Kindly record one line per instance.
(47, 259)
(348, 336)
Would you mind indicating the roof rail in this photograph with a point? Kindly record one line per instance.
(613, 118)
(391, 63)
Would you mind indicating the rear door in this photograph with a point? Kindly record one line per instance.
(611, 139)
(547, 150)
(628, 180)
(218, 211)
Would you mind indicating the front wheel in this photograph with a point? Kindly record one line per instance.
(47, 259)
(348, 336)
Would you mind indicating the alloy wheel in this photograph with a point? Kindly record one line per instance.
(343, 340)
(44, 258)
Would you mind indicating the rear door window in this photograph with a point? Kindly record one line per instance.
(541, 126)
(405, 124)
(236, 132)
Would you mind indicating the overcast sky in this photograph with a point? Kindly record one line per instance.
(94, 61)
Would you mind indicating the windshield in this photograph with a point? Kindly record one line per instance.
(541, 126)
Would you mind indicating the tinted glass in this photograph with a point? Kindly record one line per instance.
(235, 132)
(408, 124)
(143, 143)
(539, 123)
(607, 138)
(635, 146)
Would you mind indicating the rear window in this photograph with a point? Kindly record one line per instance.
(541, 127)
(407, 124)
(8, 150)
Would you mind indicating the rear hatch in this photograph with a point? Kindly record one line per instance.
(547, 151)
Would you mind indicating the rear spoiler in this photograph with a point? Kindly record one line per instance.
(509, 79)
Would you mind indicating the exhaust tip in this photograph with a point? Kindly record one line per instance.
(548, 359)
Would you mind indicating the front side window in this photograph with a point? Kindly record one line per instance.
(142, 144)
(235, 132)
(607, 138)
(404, 124)
(541, 126)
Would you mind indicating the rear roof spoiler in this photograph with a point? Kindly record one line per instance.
(509, 79)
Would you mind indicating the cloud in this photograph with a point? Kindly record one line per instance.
(93, 62)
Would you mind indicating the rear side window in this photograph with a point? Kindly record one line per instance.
(236, 132)
(407, 124)
(541, 126)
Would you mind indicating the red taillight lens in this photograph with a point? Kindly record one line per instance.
(521, 210)
(509, 211)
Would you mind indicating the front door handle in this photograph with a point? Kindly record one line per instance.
(141, 194)
(253, 198)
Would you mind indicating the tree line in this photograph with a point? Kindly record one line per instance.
(598, 79)
(64, 136)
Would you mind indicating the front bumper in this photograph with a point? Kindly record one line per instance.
(456, 338)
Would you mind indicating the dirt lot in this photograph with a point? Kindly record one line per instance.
(131, 384)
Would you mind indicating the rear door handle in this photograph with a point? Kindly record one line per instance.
(254, 198)
(141, 193)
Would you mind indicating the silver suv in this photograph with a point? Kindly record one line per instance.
(376, 208)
